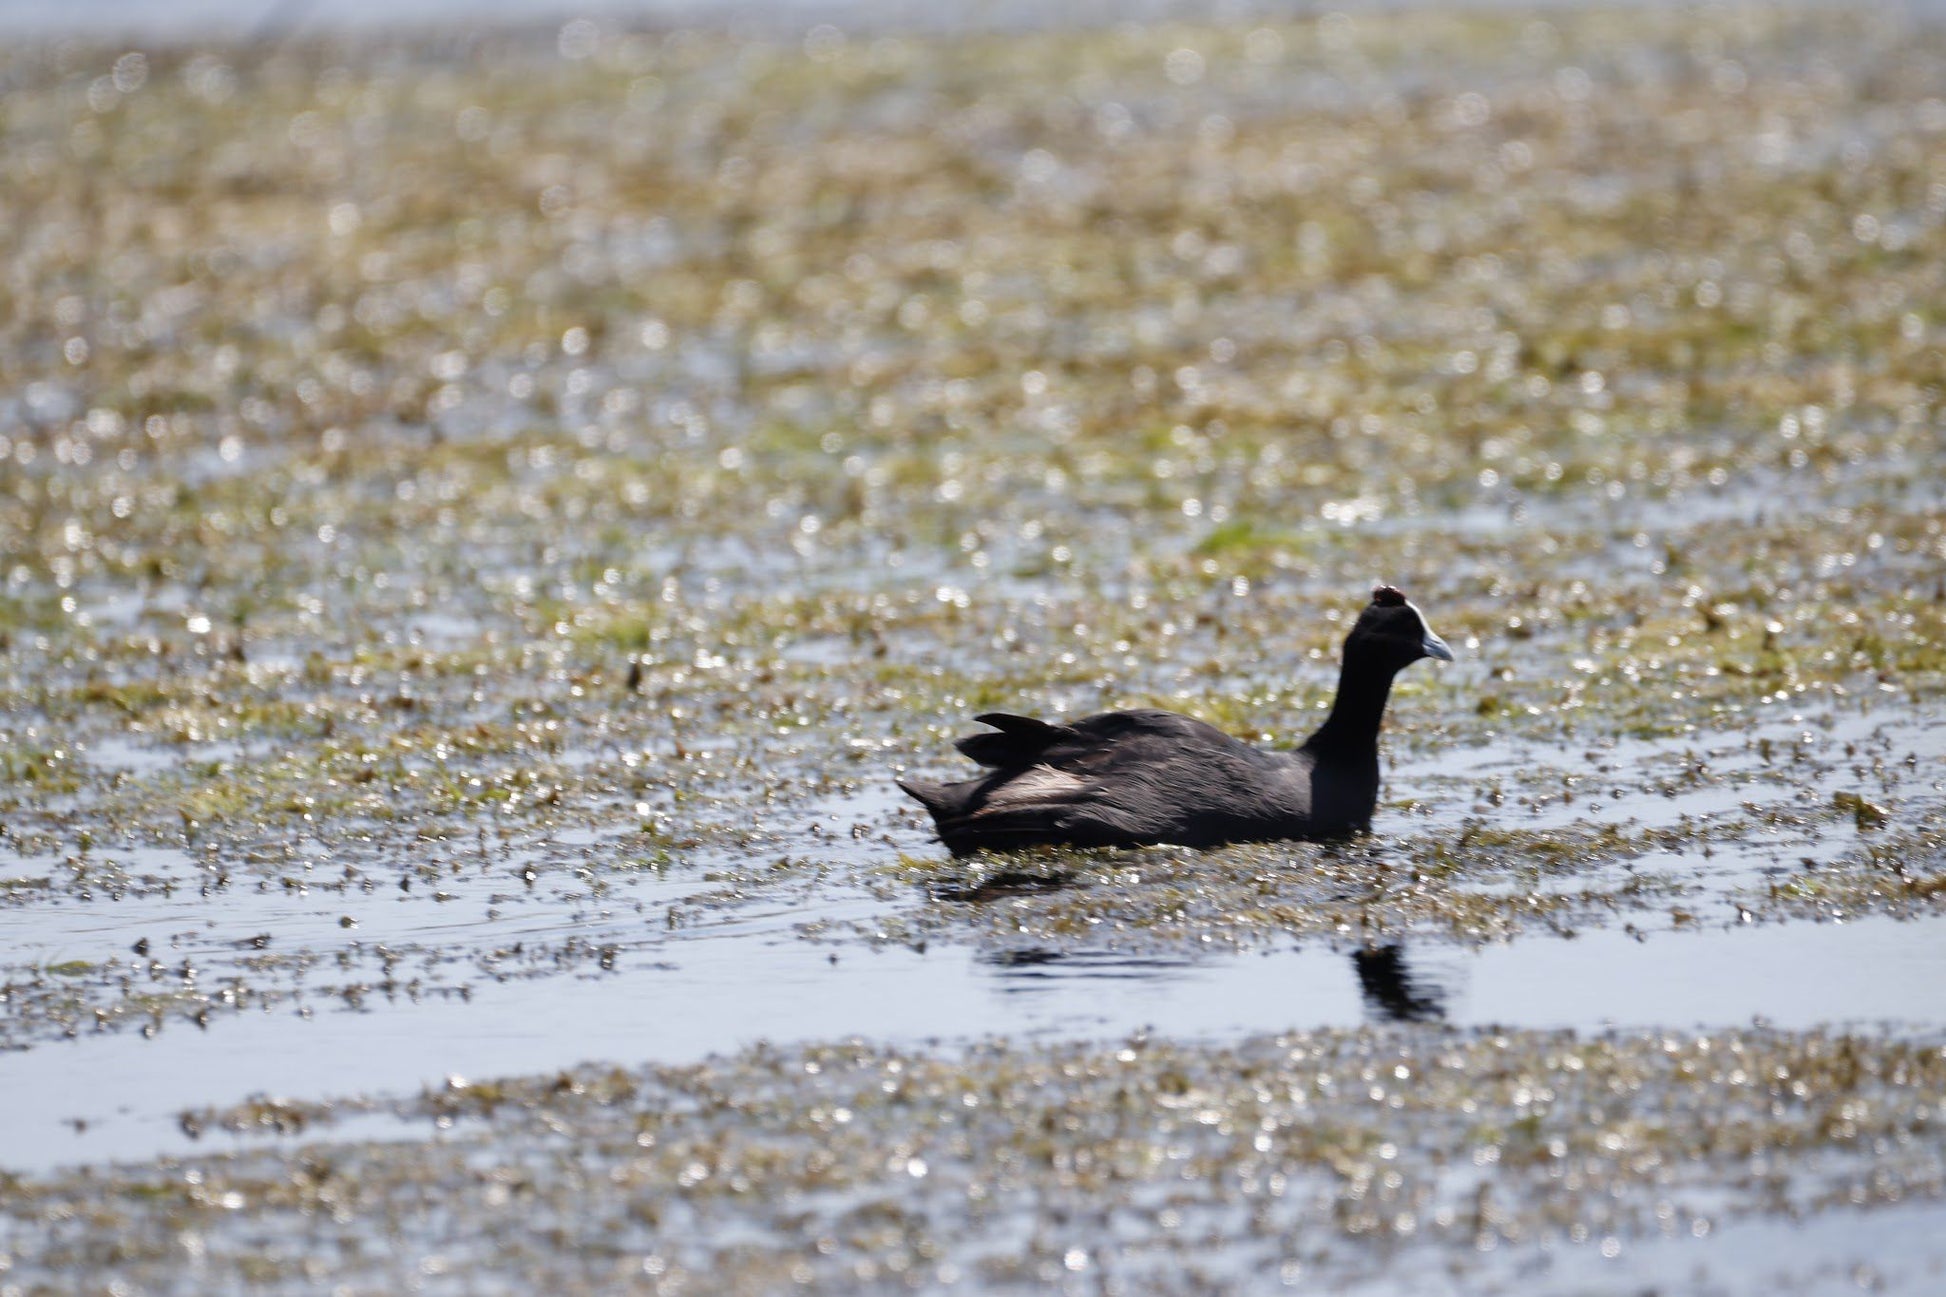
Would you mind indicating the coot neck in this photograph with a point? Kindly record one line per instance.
(1351, 730)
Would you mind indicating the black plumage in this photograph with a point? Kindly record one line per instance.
(1141, 777)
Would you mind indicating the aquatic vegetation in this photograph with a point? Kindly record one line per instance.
(1350, 1158)
(486, 509)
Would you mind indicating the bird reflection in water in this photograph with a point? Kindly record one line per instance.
(1024, 968)
(1390, 991)
(998, 886)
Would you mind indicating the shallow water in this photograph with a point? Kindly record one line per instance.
(431, 995)
(1894, 1248)
(749, 980)
(490, 532)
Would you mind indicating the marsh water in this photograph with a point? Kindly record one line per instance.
(748, 974)
(486, 519)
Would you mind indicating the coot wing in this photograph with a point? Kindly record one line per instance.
(1100, 745)
(1116, 779)
(1148, 739)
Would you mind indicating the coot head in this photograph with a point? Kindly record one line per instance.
(1392, 633)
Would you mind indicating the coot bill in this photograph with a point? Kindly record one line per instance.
(1134, 778)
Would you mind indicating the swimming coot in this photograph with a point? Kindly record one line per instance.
(1134, 778)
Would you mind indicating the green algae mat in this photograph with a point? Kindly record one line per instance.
(484, 518)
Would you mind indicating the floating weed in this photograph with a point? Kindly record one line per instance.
(1866, 815)
(558, 482)
(1900, 870)
(1357, 1150)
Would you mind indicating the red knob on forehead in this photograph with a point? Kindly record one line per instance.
(1388, 596)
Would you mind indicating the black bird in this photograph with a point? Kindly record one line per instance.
(1124, 779)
